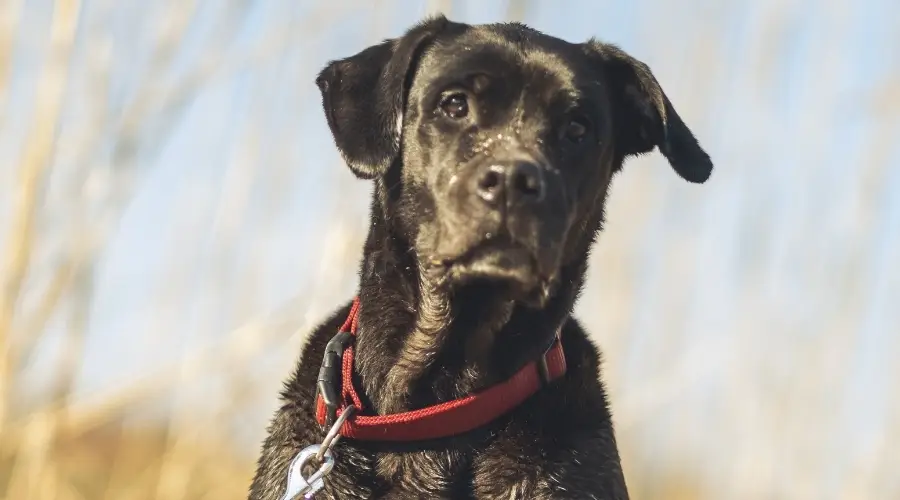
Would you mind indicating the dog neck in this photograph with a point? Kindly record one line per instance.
(421, 344)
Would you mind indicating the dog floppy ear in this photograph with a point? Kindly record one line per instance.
(364, 98)
(644, 118)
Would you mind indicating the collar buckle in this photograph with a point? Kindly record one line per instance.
(542, 366)
(328, 384)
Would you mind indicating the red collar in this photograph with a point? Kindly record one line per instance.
(438, 421)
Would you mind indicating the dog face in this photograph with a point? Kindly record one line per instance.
(494, 144)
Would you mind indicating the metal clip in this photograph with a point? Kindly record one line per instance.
(297, 484)
(308, 486)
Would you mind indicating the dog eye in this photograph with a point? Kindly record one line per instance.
(455, 106)
(576, 130)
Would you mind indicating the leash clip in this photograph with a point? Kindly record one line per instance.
(308, 486)
(297, 483)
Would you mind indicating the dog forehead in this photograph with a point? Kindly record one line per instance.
(510, 52)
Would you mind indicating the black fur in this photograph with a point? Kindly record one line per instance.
(466, 274)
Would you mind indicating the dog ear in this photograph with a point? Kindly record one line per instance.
(644, 118)
(364, 98)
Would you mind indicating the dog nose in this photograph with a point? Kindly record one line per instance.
(516, 182)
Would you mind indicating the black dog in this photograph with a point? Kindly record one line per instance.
(491, 148)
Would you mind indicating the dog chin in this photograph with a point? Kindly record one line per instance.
(511, 268)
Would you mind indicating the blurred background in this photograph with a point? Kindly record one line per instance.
(174, 219)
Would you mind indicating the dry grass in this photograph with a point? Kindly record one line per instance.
(125, 463)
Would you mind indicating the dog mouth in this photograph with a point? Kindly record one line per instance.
(498, 261)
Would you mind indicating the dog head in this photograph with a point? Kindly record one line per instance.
(493, 145)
